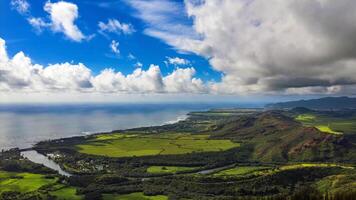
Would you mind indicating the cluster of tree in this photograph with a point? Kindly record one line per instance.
(275, 186)
(310, 193)
(13, 195)
(93, 186)
(12, 161)
(294, 184)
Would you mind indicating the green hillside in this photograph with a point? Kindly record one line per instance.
(277, 137)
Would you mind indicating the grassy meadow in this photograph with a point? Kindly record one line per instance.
(23, 182)
(29, 182)
(128, 145)
(66, 192)
(327, 129)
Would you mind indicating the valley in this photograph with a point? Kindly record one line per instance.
(217, 154)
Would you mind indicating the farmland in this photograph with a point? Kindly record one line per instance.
(119, 145)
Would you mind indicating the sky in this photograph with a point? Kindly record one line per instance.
(175, 50)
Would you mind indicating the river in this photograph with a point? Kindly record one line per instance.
(36, 157)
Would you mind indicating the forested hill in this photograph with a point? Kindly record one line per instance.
(327, 103)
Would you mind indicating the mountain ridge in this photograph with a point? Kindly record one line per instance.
(326, 103)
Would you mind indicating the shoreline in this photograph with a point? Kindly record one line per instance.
(89, 133)
(178, 118)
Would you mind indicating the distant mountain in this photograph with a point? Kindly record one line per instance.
(327, 103)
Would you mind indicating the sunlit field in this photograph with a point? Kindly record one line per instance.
(327, 124)
(119, 145)
(242, 170)
(22, 182)
(246, 171)
(29, 182)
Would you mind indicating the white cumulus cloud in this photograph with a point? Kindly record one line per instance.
(182, 80)
(139, 81)
(115, 26)
(177, 61)
(66, 76)
(276, 46)
(61, 18)
(292, 44)
(62, 15)
(38, 23)
(20, 74)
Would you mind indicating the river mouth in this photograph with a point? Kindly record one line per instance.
(38, 158)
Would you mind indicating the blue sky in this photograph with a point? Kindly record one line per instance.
(47, 47)
(194, 49)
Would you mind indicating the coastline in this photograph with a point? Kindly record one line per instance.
(89, 133)
(52, 164)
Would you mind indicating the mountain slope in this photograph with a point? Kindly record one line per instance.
(327, 103)
(279, 138)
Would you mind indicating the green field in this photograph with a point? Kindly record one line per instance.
(305, 117)
(328, 124)
(241, 170)
(133, 196)
(264, 170)
(65, 193)
(327, 129)
(23, 182)
(168, 169)
(29, 182)
(303, 165)
(120, 145)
